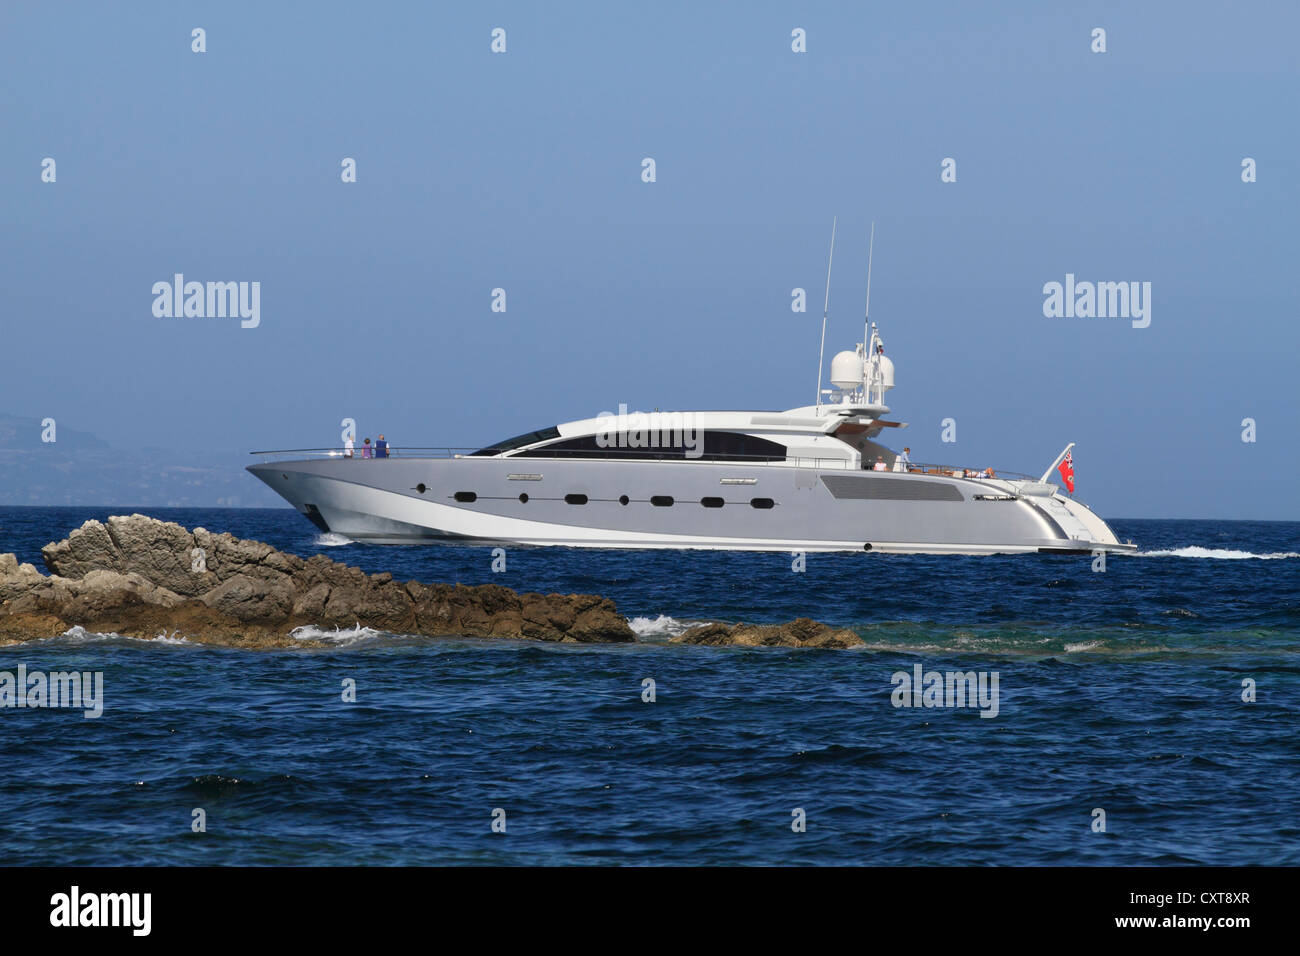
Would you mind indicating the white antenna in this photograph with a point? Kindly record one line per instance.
(866, 335)
(821, 354)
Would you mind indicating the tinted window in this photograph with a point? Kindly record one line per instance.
(719, 446)
(736, 446)
(542, 434)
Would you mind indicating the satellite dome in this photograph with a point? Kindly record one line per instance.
(846, 371)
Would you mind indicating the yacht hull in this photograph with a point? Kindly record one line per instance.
(695, 504)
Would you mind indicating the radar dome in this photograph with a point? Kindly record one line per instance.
(846, 371)
(886, 372)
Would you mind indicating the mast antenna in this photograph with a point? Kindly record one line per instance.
(821, 354)
(871, 248)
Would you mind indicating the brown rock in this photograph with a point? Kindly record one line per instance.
(312, 604)
(246, 598)
(143, 577)
(801, 632)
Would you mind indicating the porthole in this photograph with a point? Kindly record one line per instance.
(661, 501)
(465, 496)
(712, 502)
(761, 502)
(623, 499)
(576, 499)
(523, 498)
(421, 487)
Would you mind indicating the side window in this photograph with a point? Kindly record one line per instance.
(542, 434)
(736, 446)
(718, 446)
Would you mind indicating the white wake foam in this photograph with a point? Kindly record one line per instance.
(1225, 554)
(331, 539)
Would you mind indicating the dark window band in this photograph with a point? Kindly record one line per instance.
(716, 446)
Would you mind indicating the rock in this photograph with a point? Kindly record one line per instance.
(99, 584)
(251, 599)
(599, 623)
(711, 635)
(384, 606)
(17, 579)
(801, 632)
(88, 548)
(312, 604)
(139, 576)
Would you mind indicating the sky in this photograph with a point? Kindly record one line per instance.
(523, 171)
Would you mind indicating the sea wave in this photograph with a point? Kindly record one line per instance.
(1226, 554)
(78, 634)
(331, 539)
(661, 626)
(341, 636)
(1082, 646)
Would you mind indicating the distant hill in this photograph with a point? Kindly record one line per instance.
(82, 469)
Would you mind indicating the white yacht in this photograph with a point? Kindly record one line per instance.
(816, 478)
(806, 479)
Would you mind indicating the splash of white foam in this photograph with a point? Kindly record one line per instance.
(173, 638)
(79, 633)
(1225, 554)
(331, 539)
(1082, 646)
(661, 626)
(344, 636)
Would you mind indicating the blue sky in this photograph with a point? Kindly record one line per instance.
(522, 171)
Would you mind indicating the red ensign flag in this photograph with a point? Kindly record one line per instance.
(1066, 468)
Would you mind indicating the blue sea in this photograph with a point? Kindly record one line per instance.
(1119, 691)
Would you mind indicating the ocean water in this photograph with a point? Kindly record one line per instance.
(1118, 691)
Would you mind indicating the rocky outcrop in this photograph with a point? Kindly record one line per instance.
(800, 632)
(141, 577)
